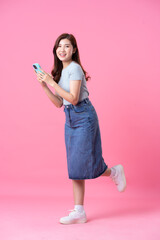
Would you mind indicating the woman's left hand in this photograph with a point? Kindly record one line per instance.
(46, 77)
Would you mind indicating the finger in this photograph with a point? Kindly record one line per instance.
(43, 72)
(39, 75)
(39, 80)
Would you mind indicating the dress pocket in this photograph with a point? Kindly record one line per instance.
(79, 109)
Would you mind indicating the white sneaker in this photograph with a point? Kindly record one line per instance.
(74, 217)
(119, 178)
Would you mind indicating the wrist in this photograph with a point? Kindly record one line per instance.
(53, 83)
(44, 84)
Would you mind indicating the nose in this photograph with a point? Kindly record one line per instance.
(62, 48)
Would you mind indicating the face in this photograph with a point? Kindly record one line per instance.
(65, 50)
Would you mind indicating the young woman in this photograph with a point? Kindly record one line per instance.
(82, 133)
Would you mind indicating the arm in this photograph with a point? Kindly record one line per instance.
(73, 95)
(55, 99)
(75, 85)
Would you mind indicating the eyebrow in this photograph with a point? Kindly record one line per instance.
(65, 44)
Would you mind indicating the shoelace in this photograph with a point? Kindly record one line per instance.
(71, 211)
(114, 178)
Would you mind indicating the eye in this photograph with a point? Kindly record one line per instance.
(60, 46)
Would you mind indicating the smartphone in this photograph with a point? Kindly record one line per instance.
(37, 67)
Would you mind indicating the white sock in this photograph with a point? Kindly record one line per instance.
(79, 208)
(113, 172)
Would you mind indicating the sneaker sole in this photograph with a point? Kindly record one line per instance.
(75, 221)
(123, 176)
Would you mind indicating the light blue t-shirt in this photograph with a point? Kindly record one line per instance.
(73, 72)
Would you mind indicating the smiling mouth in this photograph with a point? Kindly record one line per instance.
(62, 55)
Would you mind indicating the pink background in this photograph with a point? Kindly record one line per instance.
(119, 48)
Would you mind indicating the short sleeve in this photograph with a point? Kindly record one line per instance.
(76, 73)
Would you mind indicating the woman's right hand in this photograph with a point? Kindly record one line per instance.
(43, 84)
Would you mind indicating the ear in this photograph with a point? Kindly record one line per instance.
(74, 50)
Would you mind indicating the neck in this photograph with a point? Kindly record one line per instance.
(65, 64)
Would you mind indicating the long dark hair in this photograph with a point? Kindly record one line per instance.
(57, 68)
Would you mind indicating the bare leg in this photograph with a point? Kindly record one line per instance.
(78, 191)
(78, 214)
(107, 172)
(79, 188)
